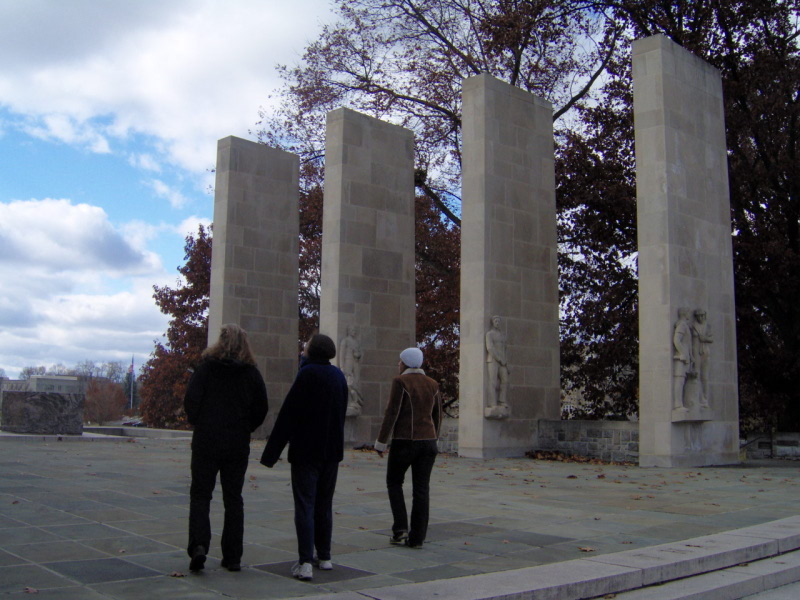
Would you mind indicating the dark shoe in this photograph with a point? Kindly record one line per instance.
(414, 545)
(198, 559)
(231, 566)
(399, 538)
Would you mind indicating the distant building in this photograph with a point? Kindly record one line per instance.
(60, 384)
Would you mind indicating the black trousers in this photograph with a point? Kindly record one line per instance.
(231, 468)
(419, 455)
(313, 485)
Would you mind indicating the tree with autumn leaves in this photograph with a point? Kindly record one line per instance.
(404, 60)
(165, 375)
(754, 44)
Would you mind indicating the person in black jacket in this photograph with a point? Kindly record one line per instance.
(226, 401)
(311, 421)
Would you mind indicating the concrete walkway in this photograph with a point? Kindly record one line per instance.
(107, 518)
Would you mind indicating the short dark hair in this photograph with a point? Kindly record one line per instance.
(321, 347)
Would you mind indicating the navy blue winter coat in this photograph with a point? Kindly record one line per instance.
(311, 419)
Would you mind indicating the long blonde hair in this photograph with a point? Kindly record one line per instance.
(232, 345)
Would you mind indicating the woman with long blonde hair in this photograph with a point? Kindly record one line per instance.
(226, 401)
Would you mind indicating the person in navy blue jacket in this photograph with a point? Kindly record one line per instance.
(226, 400)
(311, 421)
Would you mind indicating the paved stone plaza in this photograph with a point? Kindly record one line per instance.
(106, 519)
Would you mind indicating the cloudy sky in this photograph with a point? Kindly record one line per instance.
(109, 116)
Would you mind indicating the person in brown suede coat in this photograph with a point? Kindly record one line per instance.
(412, 420)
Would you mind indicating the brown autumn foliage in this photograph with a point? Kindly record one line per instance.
(403, 60)
(310, 261)
(754, 44)
(437, 280)
(554, 456)
(105, 401)
(165, 375)
(537, 45)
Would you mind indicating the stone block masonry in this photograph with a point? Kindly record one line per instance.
(508, 266)
(368, 253)
(254, 262)
(606, 440)
(688, 390)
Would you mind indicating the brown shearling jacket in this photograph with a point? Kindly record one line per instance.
(414, 411)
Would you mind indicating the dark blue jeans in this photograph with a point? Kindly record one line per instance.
(313, 484)
(420, 456)
(231, 468)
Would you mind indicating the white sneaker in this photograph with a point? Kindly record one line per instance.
(324, 565)
(302, 571)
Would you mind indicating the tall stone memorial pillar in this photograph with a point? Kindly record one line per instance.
(509, 374)
(254, 263)
(368, 258)
(687, 332)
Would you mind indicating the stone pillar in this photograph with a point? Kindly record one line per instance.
(368, 252)
(254, 262)
(508, 268)
(688, 405)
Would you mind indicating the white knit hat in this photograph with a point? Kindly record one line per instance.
(412, 357)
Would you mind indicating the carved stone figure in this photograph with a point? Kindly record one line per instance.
(701, 342)
(350, 363)
(497, 364)
(681, 359)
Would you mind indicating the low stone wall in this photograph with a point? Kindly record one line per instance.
(138, 432)
(41, 412)
(773, 445)
(619, 440)
(448, 436)
(606, 440)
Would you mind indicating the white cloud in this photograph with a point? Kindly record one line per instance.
(63, 128)
(156, 83)
(190, 225)
(60, 264)
(175, 198)
(54, 235)
(70, 328)
(185, 72)
(145, 161)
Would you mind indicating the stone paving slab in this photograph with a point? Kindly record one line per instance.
(787, 592)
(719, 585)
(122, 506)
(773, 572)
(785, 531)
(728, 584)
(692, 557)
(715, 567)
(558, 581)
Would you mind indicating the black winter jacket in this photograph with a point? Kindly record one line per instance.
(311, 419)
(225, 401)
